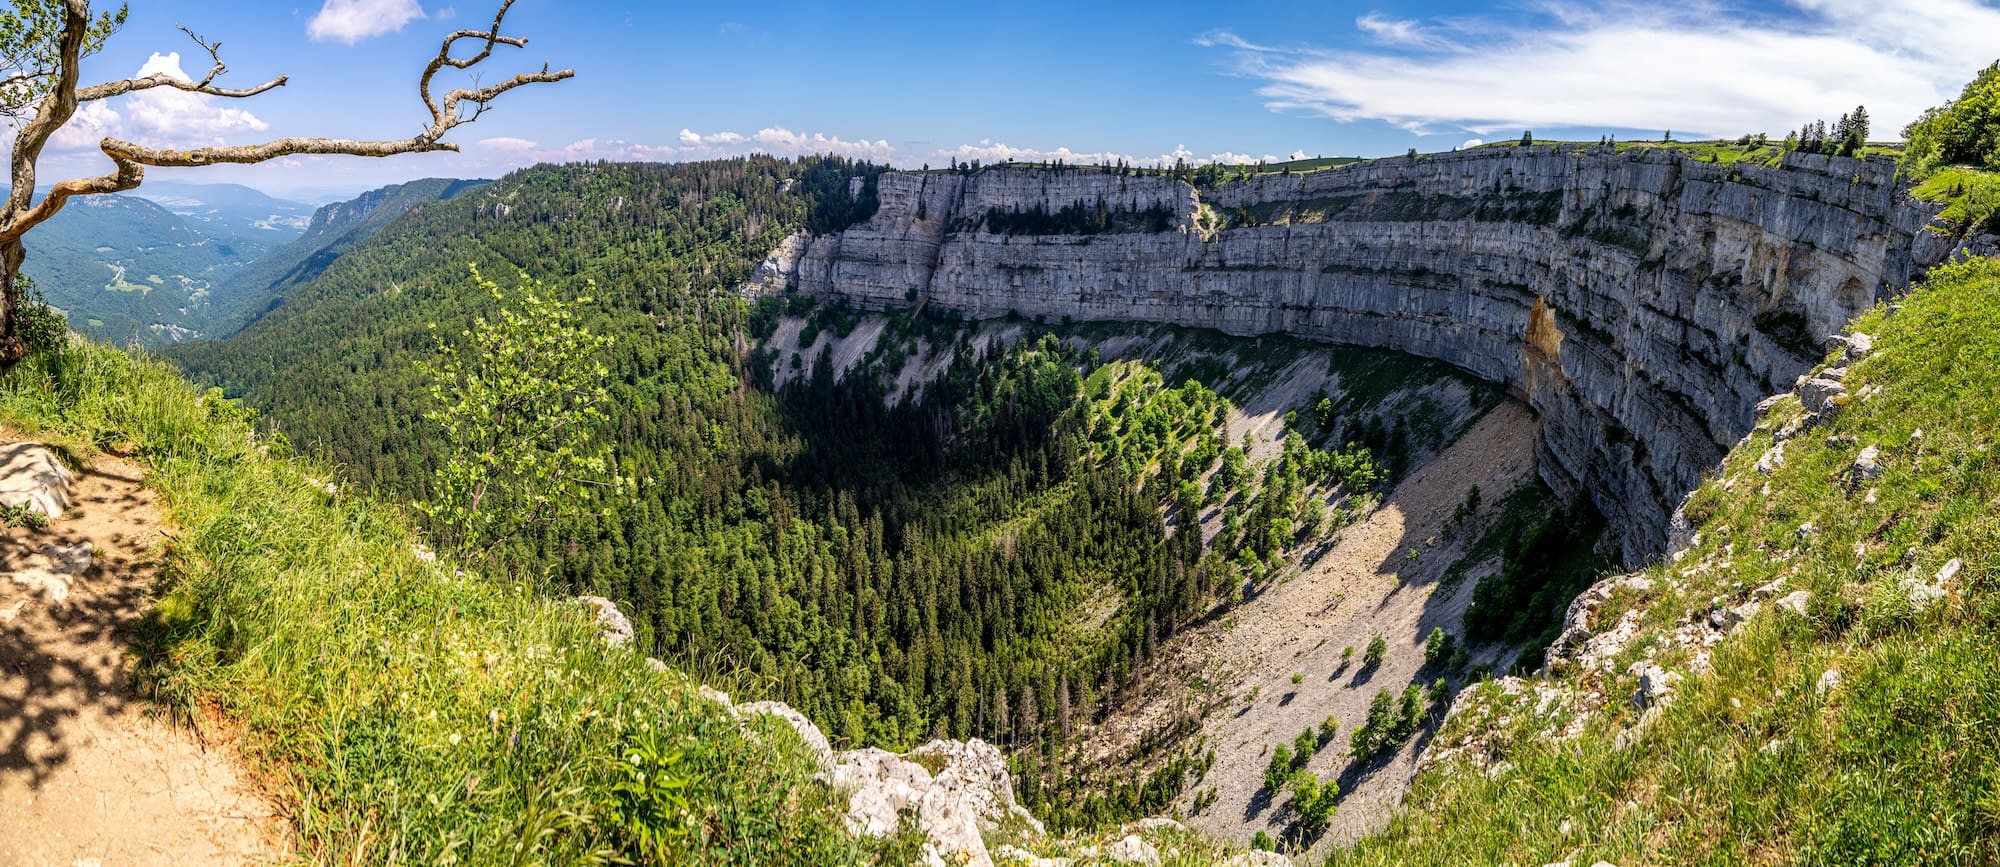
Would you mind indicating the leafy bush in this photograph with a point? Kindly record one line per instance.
(1378, 647)
(1438, 646)
(1963, 132)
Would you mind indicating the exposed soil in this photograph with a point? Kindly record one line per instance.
(1236, 672)
(90, 772)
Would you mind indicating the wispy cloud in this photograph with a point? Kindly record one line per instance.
(1696, 67)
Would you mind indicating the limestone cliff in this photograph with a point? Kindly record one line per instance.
(1641, 301)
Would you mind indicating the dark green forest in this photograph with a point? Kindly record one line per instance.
(997, 557)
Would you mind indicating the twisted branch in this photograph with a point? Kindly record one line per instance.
(130, 159)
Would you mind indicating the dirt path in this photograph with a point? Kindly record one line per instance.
(91, 774)
(1364, 586)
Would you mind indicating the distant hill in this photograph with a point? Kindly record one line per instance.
(230, 211)
(128, 270)
(333, 230)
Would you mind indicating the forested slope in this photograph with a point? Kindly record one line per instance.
(996, 556)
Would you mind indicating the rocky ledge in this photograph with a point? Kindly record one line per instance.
(959, 793)
(1642, 301)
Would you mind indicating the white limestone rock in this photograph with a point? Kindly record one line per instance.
(611, 622)
(815, 740)
(32, 477)
(1132, 849)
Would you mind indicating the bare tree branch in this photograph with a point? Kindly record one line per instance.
(160, 79)
(130, 159)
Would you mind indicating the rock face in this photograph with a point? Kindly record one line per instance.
(1641, 301)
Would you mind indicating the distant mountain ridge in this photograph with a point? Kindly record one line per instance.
(333, 230)
(127, 270)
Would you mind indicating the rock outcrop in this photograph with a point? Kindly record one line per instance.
(1641, 301)
(970, 796)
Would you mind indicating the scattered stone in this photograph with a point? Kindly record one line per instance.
(1841, 442)
(611, 622)
(1867, 465)
(49, 573)
(1132, 850)
(32, 477)
(1773, 460)
(1874, 496)
(1858, 346)
(1796, 602)
(1774, 746)
(1764, 406)
(1822, 396)
(1950, 570)
(1769, 590)
(1828, 682)
(1656, 685)
(1258, 858)
(1806, 531)
(719, 697)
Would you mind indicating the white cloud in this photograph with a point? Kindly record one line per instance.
(351, 21)
(161, 116)
(988, 152)
(167, 115)
(690, 145)
(1702, 68)
(1472, 143)
(779, 141)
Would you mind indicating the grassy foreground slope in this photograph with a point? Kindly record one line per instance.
(1865, 730)
(398, 710)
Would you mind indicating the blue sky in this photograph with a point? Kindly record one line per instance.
(915, 83)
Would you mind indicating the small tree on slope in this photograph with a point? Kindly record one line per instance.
(42, 46)
(518, 402)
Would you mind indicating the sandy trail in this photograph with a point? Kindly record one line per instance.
(90, 773)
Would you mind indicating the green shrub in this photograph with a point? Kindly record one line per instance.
(1378, 647)
(1963, 132)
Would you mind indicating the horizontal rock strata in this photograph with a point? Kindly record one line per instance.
(1641, 301)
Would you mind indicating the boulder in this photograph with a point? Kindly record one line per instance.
(880, 786)
(976, 772)
(1823, 395)
(32, 477)
(1132, 850)
(952, 826)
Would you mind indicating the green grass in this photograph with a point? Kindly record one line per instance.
(1899, 764)
(398, 710)
(1970, 196)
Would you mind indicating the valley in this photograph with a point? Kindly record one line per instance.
(684, 495)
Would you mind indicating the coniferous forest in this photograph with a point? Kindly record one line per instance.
(996, 556)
